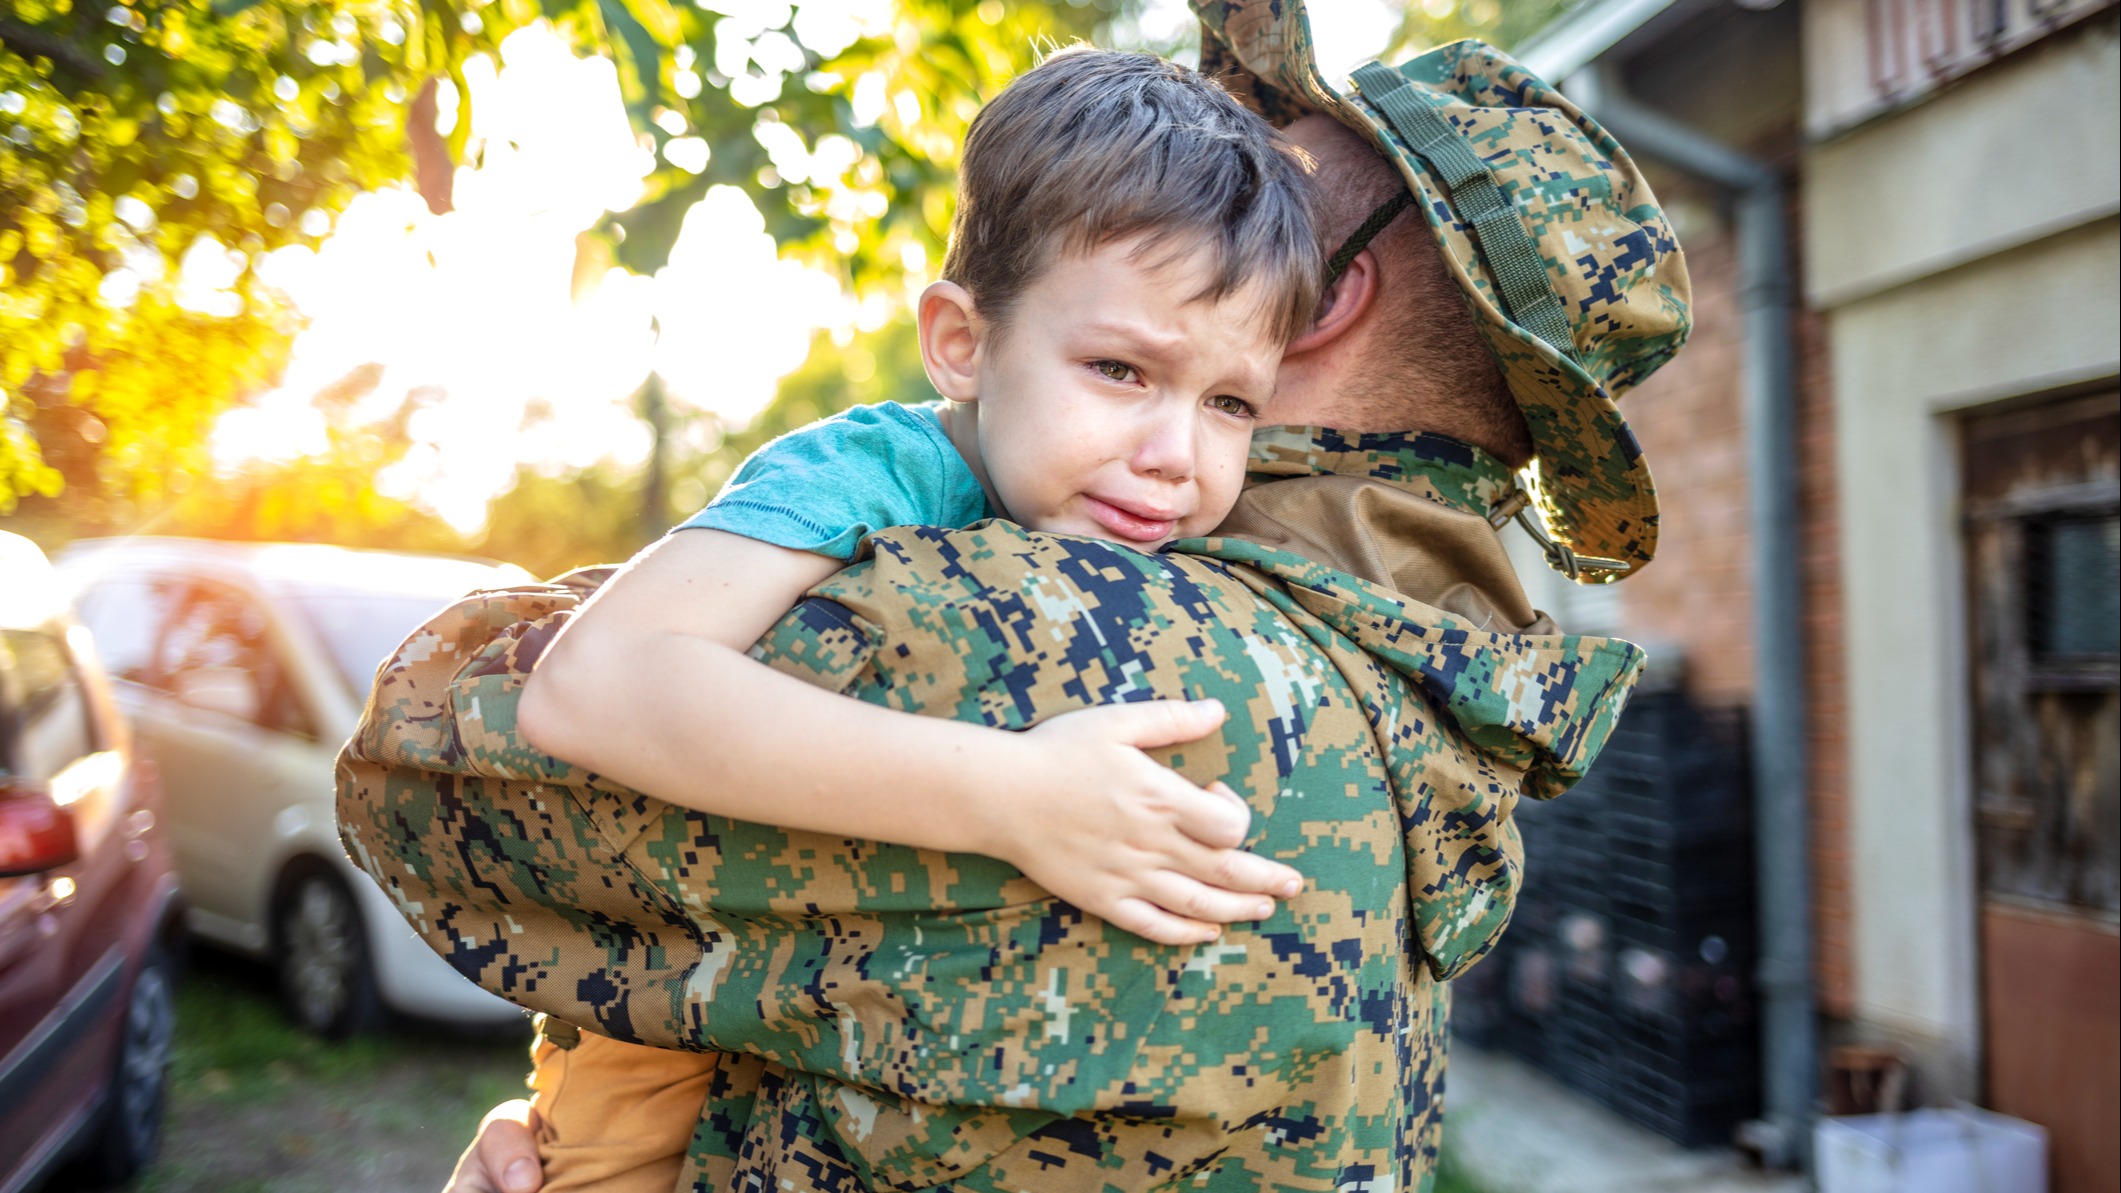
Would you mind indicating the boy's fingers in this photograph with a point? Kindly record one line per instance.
(1153, 923)
(1152, 723)
(1243, 873)
(1213, 816)
(1189, 899)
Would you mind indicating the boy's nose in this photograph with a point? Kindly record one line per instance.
(1166, 450)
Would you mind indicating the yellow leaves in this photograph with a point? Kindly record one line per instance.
(40, 233)
(281, 145)
(175, 33)
(659, 18)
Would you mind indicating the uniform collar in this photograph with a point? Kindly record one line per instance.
(1436, 467)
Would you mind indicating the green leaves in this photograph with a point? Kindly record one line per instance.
(248, 125)
(229, 120)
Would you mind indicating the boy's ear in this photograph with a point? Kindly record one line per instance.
(950, 341)
(1342, 306)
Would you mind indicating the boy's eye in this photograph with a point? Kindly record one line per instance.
(1113, 370)
(1234, 406)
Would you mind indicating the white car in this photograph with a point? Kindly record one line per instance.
(243, 667)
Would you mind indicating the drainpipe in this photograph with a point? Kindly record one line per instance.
(1781, 807)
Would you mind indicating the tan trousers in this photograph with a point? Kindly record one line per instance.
(615, 1117)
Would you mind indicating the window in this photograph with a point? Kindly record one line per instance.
(2073, 599)
(124, 615)
(216, 654)
(44, 722)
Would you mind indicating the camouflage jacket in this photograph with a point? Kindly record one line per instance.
(910, 1020)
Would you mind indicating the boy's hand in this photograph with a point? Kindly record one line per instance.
(1100, 824)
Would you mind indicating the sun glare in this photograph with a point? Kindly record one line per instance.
(495, 346)
(475, 326)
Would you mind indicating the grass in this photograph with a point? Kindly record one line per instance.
(258, 1106)
(1449, 1178)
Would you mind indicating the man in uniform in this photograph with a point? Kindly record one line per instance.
(883, 1018)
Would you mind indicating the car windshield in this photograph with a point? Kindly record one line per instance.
(361, 629)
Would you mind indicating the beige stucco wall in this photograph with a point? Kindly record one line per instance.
(1964, 251)
(2022, 150)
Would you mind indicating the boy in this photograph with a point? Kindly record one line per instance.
(1132, 252)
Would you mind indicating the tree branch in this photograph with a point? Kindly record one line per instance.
(30, 42)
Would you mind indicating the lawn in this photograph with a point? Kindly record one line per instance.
(1449, 1180)
(256, 1106)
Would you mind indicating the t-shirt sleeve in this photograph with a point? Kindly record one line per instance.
(827, 486)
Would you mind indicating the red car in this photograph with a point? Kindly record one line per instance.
(88, 903)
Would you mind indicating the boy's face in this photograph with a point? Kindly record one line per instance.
(1114, 404)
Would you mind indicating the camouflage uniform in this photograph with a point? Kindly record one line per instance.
(915, 1019)
(889, 1018)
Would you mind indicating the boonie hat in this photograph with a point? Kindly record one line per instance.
(1571, 268)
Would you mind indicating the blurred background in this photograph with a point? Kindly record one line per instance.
(519, 283)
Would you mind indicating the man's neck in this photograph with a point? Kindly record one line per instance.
(1341, 386)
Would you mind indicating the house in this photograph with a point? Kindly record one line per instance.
(1890, 467)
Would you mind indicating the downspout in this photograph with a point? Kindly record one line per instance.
(1781, 807)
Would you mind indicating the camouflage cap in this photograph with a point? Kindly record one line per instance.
(1568, 263)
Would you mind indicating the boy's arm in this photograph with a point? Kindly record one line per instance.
(649, 685)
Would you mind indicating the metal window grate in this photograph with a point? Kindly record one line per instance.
(2073, 588)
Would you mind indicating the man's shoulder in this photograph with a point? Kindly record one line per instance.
(999, 563)
(1008, 625)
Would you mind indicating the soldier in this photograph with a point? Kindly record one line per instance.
(883, 1018)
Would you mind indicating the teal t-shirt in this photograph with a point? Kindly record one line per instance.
(827, 486)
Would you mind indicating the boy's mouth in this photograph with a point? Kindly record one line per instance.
(1130, 524)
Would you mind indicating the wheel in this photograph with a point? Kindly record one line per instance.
(321, 951)
(128, 1128)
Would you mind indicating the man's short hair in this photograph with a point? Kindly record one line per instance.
(1429, 353)
(1095, 146)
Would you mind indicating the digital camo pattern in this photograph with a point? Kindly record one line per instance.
(913, 1020)
(1608, 252)
(1437, 467)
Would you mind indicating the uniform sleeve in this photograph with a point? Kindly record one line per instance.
(828, 486)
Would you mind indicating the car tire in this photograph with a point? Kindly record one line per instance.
(320, 950)
(128, 1127)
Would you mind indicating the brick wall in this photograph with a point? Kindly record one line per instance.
(1824, 678)
(1693, 606)
(1695, 602)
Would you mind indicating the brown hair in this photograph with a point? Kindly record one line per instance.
(1430, 369)
(1093, 146)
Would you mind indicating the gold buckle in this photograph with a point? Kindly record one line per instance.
(1516, 506)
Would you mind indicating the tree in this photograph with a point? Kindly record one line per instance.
(1428, 23)
(139, 138)
(149, 144)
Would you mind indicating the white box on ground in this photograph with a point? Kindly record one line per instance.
(1961, 1150)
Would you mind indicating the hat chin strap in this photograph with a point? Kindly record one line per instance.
(1360, 238)
(1517, 506)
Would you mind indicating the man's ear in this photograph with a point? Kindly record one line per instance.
(1343, 306)
(950, 341)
